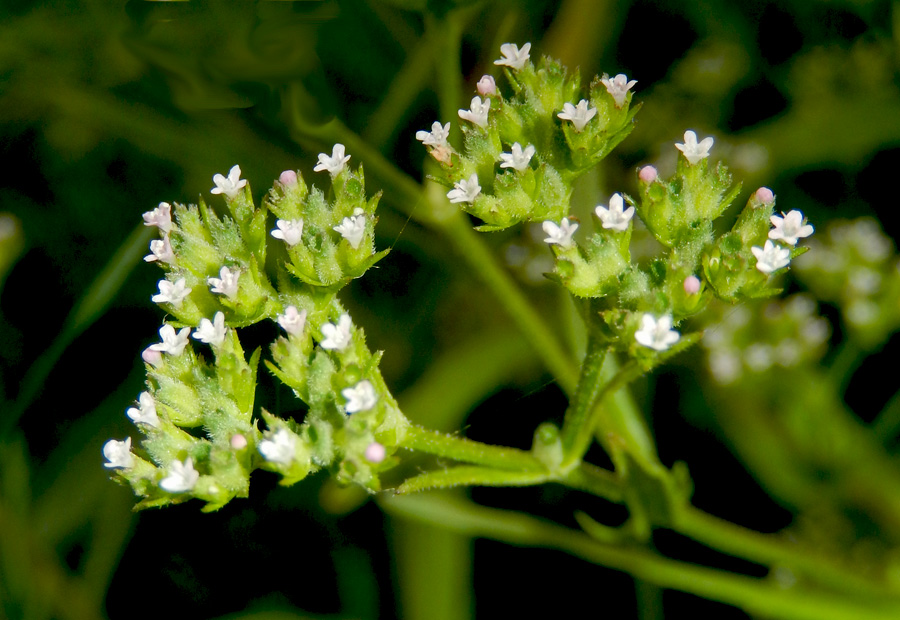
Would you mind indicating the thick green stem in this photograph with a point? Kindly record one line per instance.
(576, 431)
(468, 451)
(773, 550)
(755, 596)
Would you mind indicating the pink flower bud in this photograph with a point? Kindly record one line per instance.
(648, 174)
(288, 178)
(152, 356)
(238, 441)
(375, 452)
(765, 195)
(486, 86)
(692, 285)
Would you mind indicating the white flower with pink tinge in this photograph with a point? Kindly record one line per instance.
(578, 115)
(437, 137)
(616, 217)
(118, 454)
(478, 113)
(280, 447)
(160, 250)
(337, 337)
(519, 158)
(289, 231)
(618, 87)
(790, 228)
(694, 151)
(230, 185)
(226, 284)
(145, 412)
(211, 332)
(466, 190)
(182, 477)
(560, 235)
(171, 292)
(656, 334)
(513, 57)
(292, 321)
(360, 397)
(771, 257)
(335, 163)
(161, 217)
(172, 343)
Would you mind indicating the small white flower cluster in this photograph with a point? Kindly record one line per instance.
(615, 217)
(783, 333)
(787, 229)
(160, 249)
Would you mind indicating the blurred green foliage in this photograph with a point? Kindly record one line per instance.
(107, 108)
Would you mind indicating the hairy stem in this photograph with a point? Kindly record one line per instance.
(468, 451)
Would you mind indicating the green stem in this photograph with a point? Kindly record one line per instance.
(887, 424)
(771, 550)
(755, 596)
(576, 431)
(596, 481)
(843, 366)
(471, 475)
(468, 451)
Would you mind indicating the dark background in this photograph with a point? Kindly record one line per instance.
(107, 108)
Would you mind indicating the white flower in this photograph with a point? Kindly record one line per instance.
(171, 292)
(172, 343)
(616, 217)
(292, 321)
(437, 137)
(560, 235)
(360, 397)
(281, 448)
(211, 332)
(182, 477)
(579, 115)
(771, 257)
(618, 87)
(161, 250)
(337, 337)
(486, 85)
(465, 190)
(334, 164)
(226, 284)
(231, 185)
(161, 217)
(518, 159)
(289, 231)
(118, 453)
(145, 412)
(790, 228)
(479, 112)
(353, 228)
(513, 57)
(656, 334)
(694, 151)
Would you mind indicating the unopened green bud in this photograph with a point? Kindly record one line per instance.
(547, 446)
